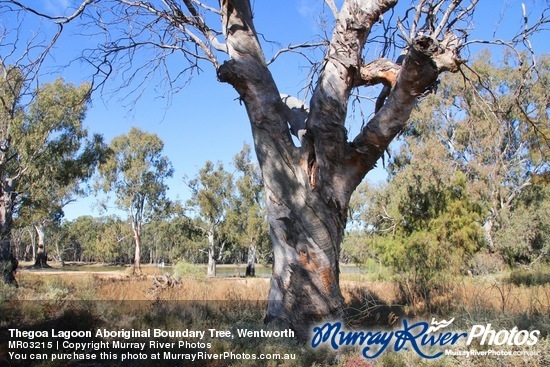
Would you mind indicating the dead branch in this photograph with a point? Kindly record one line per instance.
(333, 8)
(293, 48)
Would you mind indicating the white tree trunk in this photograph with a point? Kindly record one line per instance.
(136, 227)
(211, 269)
(41, 259)
(251, 261)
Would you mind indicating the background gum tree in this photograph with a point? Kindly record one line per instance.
(21, 58)
(135, 171)
(308, 185)
(47, 154)
(55, 154)
(246, 217)
(211, 191)
(496, 130)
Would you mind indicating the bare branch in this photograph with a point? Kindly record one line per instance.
(445, 18)
(403, 32)
(207, 8)
(463, 14)
(57, 19)
(416, 19)
(333, 8)
(292, 48)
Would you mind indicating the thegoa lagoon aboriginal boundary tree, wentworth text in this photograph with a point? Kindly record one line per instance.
(308, 178)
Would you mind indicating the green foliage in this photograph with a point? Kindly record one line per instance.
(135, 171)
(105, 239)
(54, 152)
(246, 219)
(228, 208)
(355, 247)
(46, 153)
(173, 239)
(211, 190)
(492, 124)
(530, 277)
(424, 228)
(183, 269)
(469, 173)
(524, 233)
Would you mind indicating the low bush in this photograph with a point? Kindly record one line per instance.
(183, 269)
(530, 277)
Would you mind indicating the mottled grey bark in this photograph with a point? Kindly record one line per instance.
(308, 188)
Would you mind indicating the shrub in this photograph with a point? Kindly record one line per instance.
(483, 263)
(183, 269)
(530, 277)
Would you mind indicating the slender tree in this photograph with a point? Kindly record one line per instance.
(247, 208)
(136, 172)
(211, 191)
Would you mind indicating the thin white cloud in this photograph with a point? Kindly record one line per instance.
(306, 8)
(57, 7)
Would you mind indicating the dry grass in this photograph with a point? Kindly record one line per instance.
(240, 301)
(472, 295)
(503, 297)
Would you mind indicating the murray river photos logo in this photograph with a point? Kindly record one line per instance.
(420, 337)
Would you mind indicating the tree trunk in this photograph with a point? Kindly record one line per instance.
(41, 255)
(488, 233)
(306, 233)
(251, 262)
(32, 236)
(60, 253)
(308, 188)
(137, 252)
(8, 263)
(211, 269)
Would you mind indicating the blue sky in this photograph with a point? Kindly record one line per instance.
(204, 121)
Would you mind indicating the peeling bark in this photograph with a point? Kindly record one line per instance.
(308, 188)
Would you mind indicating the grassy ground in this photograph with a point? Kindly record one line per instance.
(113, 298)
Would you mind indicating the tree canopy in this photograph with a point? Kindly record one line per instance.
(46, 154)
(135, 172)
